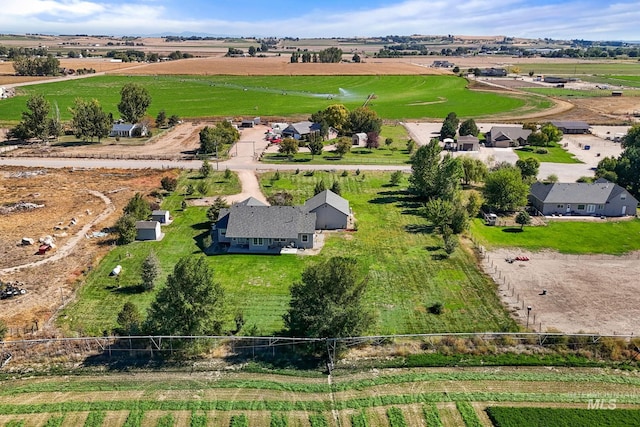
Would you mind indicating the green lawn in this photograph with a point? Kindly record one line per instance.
(614, 237)
(397, 252)
(564, 417)
(396, 153)
(397, 97)
(556, 154)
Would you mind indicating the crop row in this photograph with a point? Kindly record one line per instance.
(313, 406)
(468, 414)
(89, 386)
(562, 417)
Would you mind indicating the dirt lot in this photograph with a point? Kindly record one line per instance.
(65, 194)
(588, 293)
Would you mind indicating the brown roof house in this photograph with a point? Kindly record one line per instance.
(506, 136)
(600, 198)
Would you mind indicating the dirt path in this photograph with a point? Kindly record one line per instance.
(72, 242)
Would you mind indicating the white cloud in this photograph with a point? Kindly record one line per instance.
(571, 19)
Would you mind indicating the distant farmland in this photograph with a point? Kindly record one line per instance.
(396, 97)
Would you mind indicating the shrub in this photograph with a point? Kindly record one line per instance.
(436, 308)
(541, 151)
(168, 183)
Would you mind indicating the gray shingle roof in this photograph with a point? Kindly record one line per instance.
(570, 124)
(302, 128)
(119, 127)
(330, 198)
(251, 201)
(284, 222)
(577, 192)
(512, 133)
(146, 225)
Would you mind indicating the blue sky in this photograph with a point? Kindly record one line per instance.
(562, 19)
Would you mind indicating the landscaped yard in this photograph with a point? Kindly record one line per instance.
(402, 260)
(572, 237)
(555, 154)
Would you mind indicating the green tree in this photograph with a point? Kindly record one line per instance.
(335, 116)
(469, 127)
(129, 319)
(537, 139)
(336, 188)
(449, 126)
(319, 188)
(332, 54)
(134, 101)
(424, 169)
(138, 208)
(523, 218)
(173, 120)
(168, 183)
(395, 179)
(315, 147)
(281, 198)
(34, 122)
(474, 203)
(528, 168)
(504, 189)
(552, 133)
(448, 177)
(208, 142)
(213, 213)
(126, 229)
(439, 212)
(191, 303)
(329, 301)
(474, 170)
(203, 188)
(364, 119)
(205, 169)
(89, 120)
(161, 119)
(150, 271)
(288, 146)
(343, 146)
(252, 51)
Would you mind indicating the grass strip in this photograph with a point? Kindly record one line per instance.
(468, 414)
(396, 417)
(432, 416)
(278, 420)
(134, 419)
(166, 421)
(55, 421)
(15, 423)
(318, 420)
(95, 419)
(359, 420)
(562, 417)
(239, 421)
(198, 420)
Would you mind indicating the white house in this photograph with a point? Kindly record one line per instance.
(128, 130)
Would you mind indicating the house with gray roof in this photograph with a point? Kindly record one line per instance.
(264, 229)
(506, 136)
(332, 211)
(148, 230)
(600, 198)
(301, 130)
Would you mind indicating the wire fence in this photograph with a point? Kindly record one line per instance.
(107, 349)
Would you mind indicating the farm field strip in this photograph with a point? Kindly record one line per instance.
(397, 97)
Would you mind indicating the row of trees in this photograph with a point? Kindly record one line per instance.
(337, 116)
(213, 138)
(452, 122)
(36, 66)
(625, 169)
(89, 120)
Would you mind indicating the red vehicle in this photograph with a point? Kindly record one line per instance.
(276, 139)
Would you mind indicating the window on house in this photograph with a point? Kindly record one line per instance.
(257, 241)
(600, 207)
(623, 196)
(580, 207)
(305, 238)
(591, 208)
(560, 207)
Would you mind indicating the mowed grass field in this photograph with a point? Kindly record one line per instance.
(396, 97)
(614, 237)
(555, 154)
(399, 397)
(397, 252)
